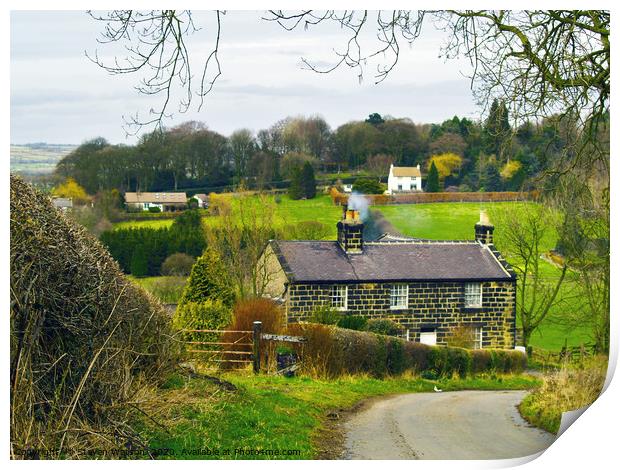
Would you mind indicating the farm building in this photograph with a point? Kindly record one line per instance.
(63, 203)
(404, 179)
(166, 202)
(431, 288)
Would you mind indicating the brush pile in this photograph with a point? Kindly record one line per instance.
(84, 339)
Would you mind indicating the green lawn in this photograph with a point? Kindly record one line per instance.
(274, 413)
(168, 289)
(442, 220)
(287, 211)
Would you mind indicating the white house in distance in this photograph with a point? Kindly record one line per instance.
(202, 200)
(404, 179)
(164, 201)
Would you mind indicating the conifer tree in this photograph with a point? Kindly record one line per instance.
(308, 181)
(208, 280)
(295, 190)
(139, 265)
(432, 180)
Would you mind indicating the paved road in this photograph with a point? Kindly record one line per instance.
(446, 425)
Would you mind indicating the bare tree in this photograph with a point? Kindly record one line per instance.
(240, 238)
(155, 47)
(524, 231)
(584, 242)
(540, 61)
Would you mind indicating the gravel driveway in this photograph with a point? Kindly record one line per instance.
(445, 425)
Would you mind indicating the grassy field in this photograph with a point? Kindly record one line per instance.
(273, 413)
(37, 159)
(167, 289)
(287, 211)
(450, 221)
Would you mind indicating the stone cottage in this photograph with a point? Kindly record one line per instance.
(429, 287)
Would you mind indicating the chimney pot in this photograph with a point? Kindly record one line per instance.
(350, 232)
(484, 229)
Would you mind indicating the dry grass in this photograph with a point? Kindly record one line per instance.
(567, 389)
(83, 337)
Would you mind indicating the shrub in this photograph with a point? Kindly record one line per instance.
(417, 355)
(103, 225)
(319, 356)
(481, 360)
(177, 264)
(566, 389)
(245, 313)
(208, 281)
(331, 352)
(383, 326)
(368, 186)
(352, 322)
(459, 362)
(338, 198)
(325, 315)
(396, 356)
(461, 336)
(83, 338)
(154, 210)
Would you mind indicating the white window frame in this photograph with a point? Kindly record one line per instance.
(396, 292)
(472, 295)
(338, 297)
(477, 337)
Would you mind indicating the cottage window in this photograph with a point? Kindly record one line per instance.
(399, 296)
(339, 297)
(473, 294)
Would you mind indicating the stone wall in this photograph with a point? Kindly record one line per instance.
(438, 305)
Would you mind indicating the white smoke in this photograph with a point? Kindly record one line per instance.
(359, 203)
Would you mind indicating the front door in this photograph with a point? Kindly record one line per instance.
(428, 337)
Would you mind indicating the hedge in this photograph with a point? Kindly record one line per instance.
(332, 352)
(339, 198)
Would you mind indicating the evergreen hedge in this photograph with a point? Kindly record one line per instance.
(332, 352)
(152, 246)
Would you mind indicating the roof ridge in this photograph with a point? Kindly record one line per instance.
(420, 241)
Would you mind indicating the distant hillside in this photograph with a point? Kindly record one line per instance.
(37, 158)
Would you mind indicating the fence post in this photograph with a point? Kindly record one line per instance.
(257, 326)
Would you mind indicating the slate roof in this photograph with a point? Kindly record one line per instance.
(157, 198)
(406, 171)
(325, 261)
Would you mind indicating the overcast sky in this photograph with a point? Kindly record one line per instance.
(59, 96)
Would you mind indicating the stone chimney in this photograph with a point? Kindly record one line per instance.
(484, 229)
(350, 231)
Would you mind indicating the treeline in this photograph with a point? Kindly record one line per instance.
(489, 155)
